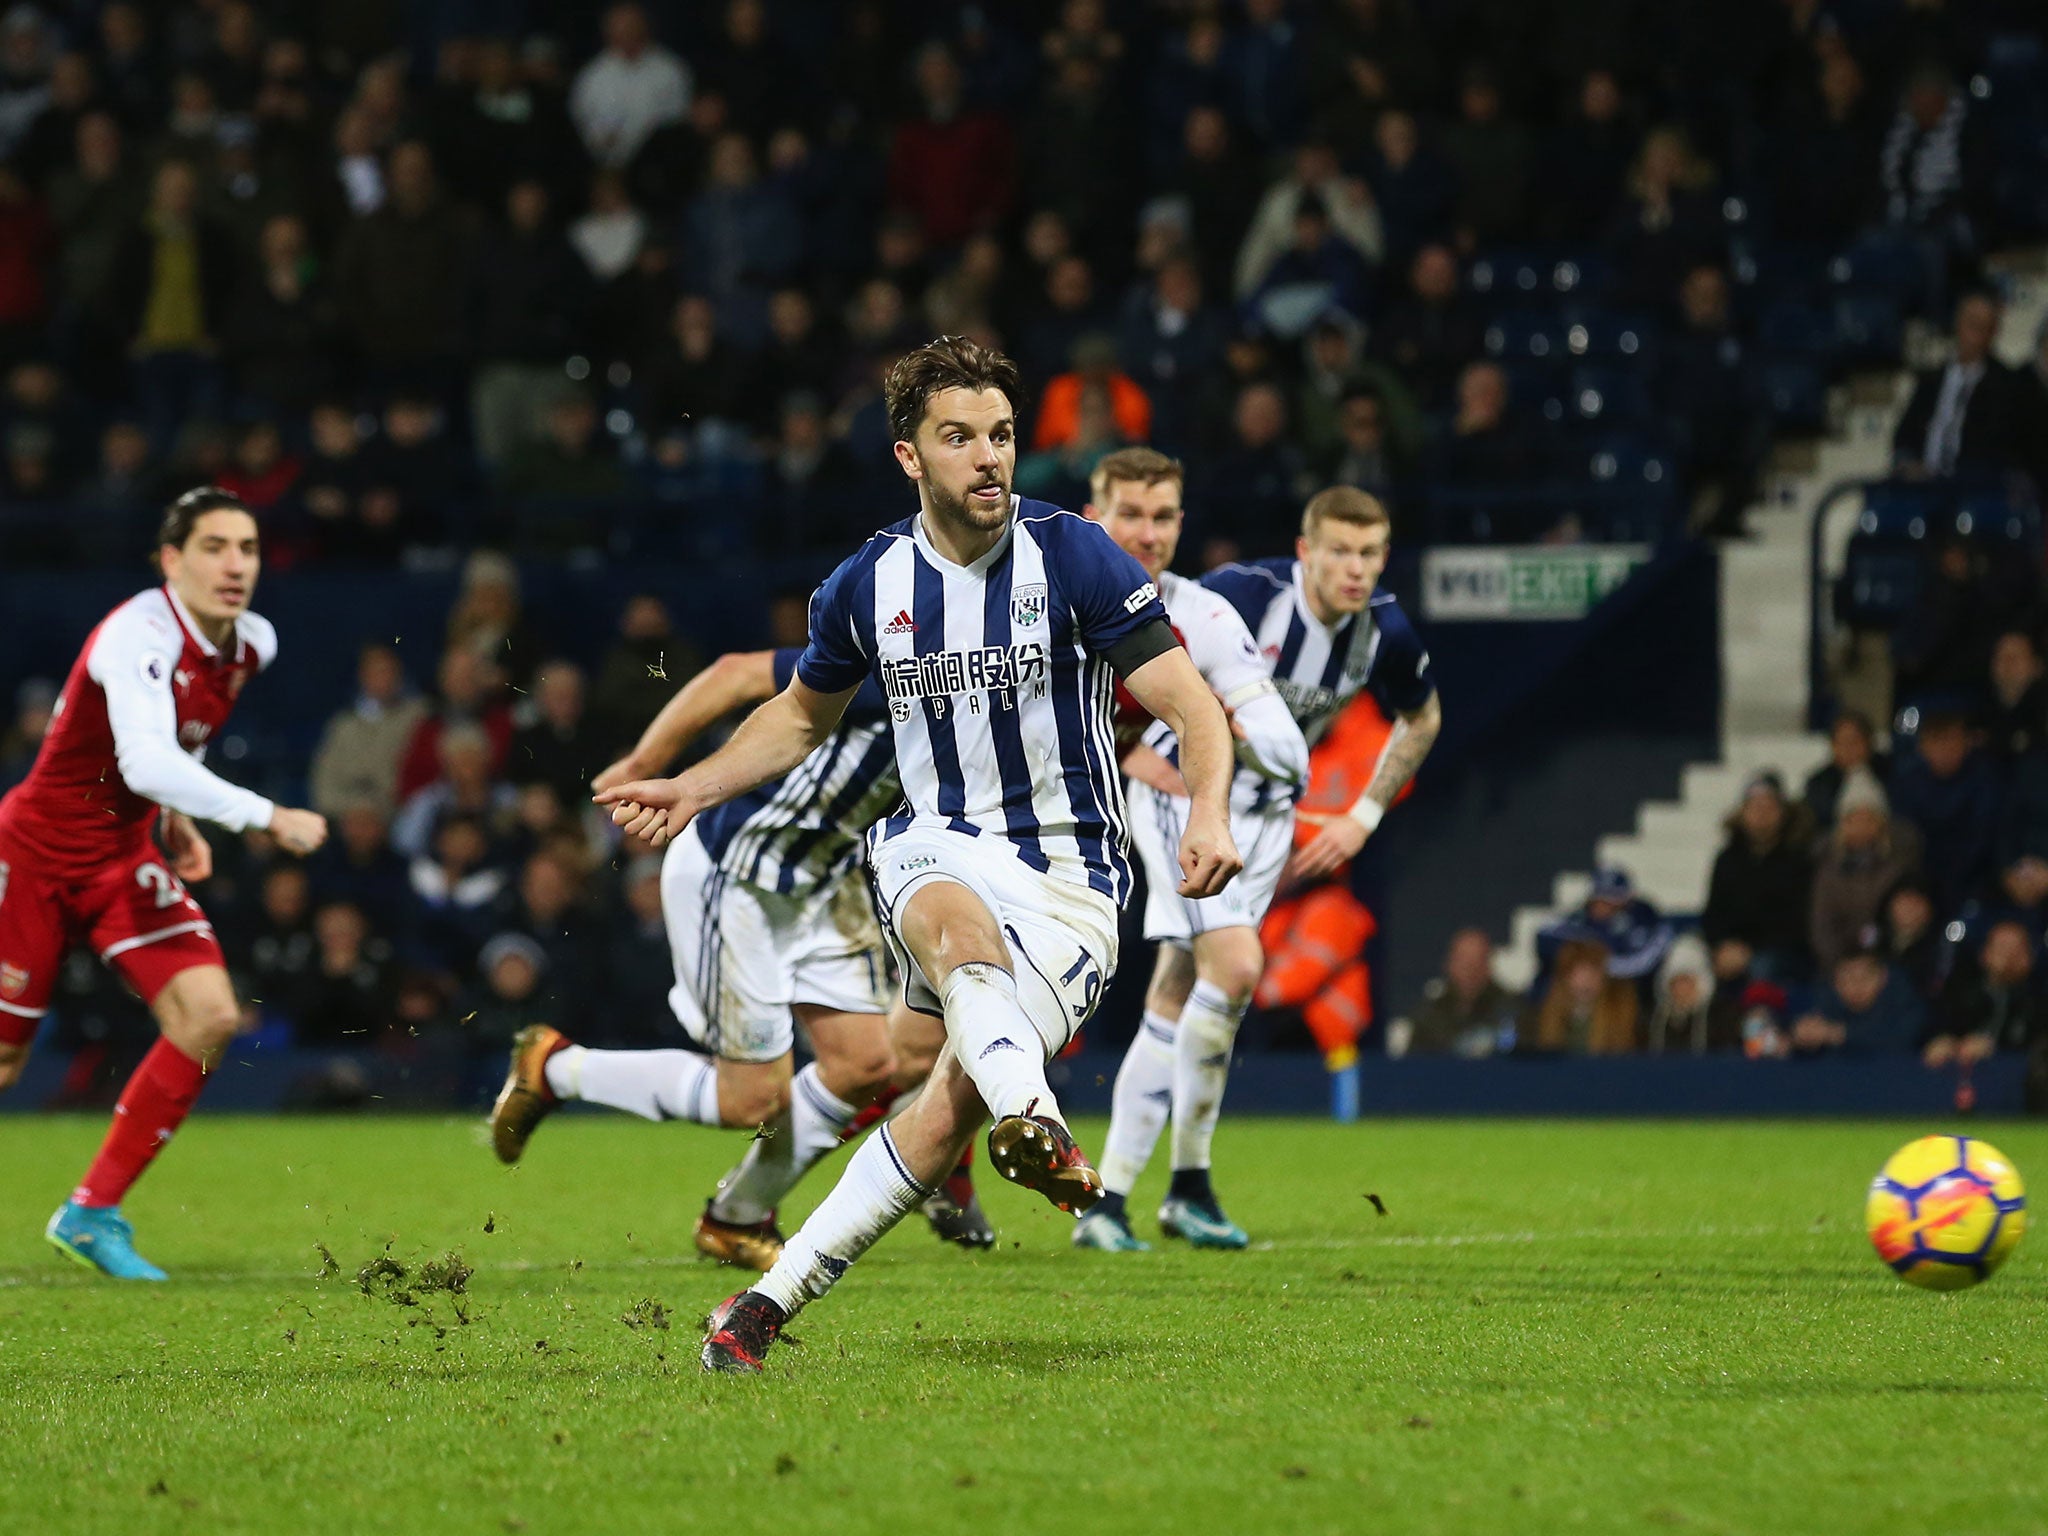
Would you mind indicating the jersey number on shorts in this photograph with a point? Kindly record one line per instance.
(161, 884)
(1091, 984)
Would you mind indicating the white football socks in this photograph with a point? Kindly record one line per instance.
(996, 1040)
(1138, 1105)
(799, 1136)
(656, 1085)
(874, 1193)
(1201, 1066)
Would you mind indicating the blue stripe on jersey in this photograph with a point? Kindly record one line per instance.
(802, 783)
(928, 612)
(877, 763)
(1340, 652)
(1006, 726)
(1290, 648)
(1082, 765)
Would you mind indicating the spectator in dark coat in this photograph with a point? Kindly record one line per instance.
(1465, 1010)
(1221, 186)
(1704, 387)
(1265, 68)
(1667, 226)
(1911, 936)
(533, 300)
(1756, 915)
(2016, 711)
(1479, 445)
(1587, 160)
(1852, 744)
(1494, 158)
(637, 971)
(555, 747)
(1948, 788)
(359, 866)
(403, 274)
(1973, 415)
(281, 332)
(1256, 485)
(347, 1001)
(742, 236)
(1415, 190)
(1170, 343)
(1993, 1004)
(1433, 332)
(1867, 1009)
(1826, 144)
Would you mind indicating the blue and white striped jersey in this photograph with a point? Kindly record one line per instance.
(801, 832)
(995, 679)
(1320, 668)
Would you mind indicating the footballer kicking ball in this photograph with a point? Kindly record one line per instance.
(1946, 1211)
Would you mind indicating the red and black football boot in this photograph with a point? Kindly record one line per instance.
(955, 1214)
(1039, 1153)
(738, 1333)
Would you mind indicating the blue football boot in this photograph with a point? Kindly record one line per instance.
(1203, 1224)
(1110, 1234)
(100, 1238)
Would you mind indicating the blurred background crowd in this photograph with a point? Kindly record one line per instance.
(433, 284)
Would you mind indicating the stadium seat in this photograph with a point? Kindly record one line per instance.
(1868, 330)
(1882, 262)
(1880, 582)
(1609, 394)
(1793, 390)
(1901, 510)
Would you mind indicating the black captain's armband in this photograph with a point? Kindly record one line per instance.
(1155, 637)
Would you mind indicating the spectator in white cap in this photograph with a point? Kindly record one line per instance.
(1861, 860)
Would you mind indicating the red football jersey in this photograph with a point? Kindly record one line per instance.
(145, 696)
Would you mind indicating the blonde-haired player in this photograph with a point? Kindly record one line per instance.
(1323, 630)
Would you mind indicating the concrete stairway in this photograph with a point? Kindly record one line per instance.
(1765, 609)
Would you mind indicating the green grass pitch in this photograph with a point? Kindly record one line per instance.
(1578, 1327)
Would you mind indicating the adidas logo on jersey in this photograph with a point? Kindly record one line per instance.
(902, 624)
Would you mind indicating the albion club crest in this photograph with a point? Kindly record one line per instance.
(1027, 605)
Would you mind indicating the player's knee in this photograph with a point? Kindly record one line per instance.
(1234, 972)
(751, 1101)
(13, 1059)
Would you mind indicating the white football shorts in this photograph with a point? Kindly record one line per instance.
(745, 956)
(1263, 841)
(1062, 934)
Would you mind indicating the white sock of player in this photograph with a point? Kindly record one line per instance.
(996, 1041)
(656, 1085)
(802, 1134)
(1201, 1065)
(874, 1193)
(1138, 1104)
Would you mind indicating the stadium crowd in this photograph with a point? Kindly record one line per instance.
(531, 277)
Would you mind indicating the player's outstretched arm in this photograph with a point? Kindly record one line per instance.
(1408, 743)
(1173, 690)
(770, 742)
(736, 678)
(136, 677)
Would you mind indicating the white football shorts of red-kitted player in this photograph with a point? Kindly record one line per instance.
(78, 859)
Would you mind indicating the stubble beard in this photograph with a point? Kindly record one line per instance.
(963, 512)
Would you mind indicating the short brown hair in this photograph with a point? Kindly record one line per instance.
(1343, 504)
(183, 514)
(948, 362)
(1134, 466)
